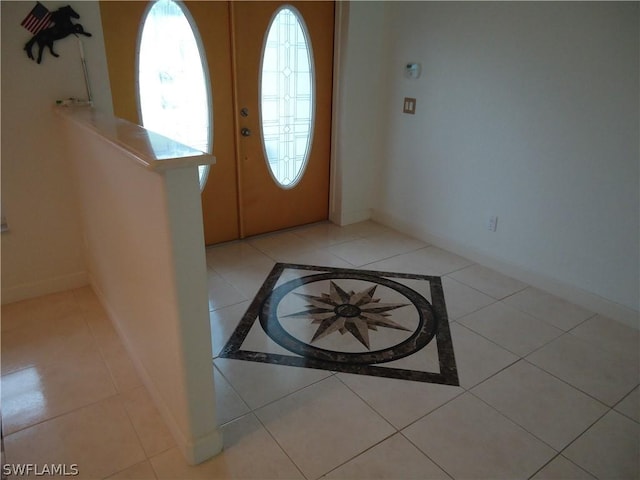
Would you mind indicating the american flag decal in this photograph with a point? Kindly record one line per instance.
(38, 19)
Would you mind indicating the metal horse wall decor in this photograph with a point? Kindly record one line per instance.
(61, 28)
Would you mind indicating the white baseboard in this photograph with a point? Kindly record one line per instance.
(571, 293)
(44, 287)
(203, 448)
(194, 450)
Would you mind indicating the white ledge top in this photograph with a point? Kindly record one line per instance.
(154, 151)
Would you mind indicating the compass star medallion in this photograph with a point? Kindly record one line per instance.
(352, 312)
(356, 321)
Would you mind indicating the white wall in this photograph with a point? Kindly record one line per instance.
(359, 121)
(527, 111)
(42, 251)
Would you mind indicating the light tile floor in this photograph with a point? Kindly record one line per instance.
(548, 389)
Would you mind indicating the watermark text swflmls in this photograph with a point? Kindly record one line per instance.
(35, 469)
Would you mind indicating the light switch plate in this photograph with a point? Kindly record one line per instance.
(409, 106)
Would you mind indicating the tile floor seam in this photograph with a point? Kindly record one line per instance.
(153, 468)
(578, 438)
(35, 364)
(135, 430)
(235, 391)
(499, 299)
(461, 392)
(545, 322)
(566, 382)
(506, 305)
(157, 454)
(395, 431)
(99, 348)
(543, 346)
(553, 295)
(342, 259)
(441, 467)
(498, 345)
(285, 230)
(323, 246)
(462, 268)
(281, 447)
(253, 410)
(623, 399)
(471, 286)
(322, 250)
(510, 421)
(59, 415)
(476, 310)
(627, 416)
(567, 459)
(558, 454)
(229, 305)
(526, 358)
(331, 374)
(607, 412)
(394, 255)
(513, 294)
(127, 468)
(359, 454)
(585, 320)
(457, 320)
(534, 434)
(365, 265)
(368, 404)
(594, 344)
(109, 369)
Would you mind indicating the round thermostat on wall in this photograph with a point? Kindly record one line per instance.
(412, 70)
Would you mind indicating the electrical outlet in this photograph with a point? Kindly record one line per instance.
(492, 224)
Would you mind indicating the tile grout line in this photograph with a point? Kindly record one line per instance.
(533, 434)
(361, 453)
(131, 466)
(284, 451)
(526, 358)
(441, 467)
(252, 409)
(82, 314)
(63, 414)
(558, 454)
(457, 320)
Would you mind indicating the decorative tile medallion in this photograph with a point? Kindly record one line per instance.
(356, 321)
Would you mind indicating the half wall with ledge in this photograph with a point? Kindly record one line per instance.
(139, 197)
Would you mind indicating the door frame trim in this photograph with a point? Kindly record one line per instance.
(341, 17)
(338, 204)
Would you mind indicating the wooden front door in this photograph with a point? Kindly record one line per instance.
(243, 196)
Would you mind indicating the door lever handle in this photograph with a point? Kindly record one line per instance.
(245, 132)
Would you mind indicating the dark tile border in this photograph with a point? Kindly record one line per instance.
(448, 372)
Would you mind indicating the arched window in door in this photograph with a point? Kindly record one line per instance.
(173, 86)
(287, 91)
